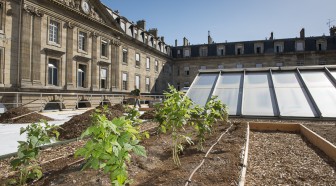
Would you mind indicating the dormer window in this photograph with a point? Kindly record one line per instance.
(278, 47)
(239, 49)
(299, 46)
(123, 25)
(220, 51)
(203, 51)
(321, 45)
(186, 52)
(258, 48)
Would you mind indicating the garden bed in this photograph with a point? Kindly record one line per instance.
(327, 131)
(277, 158)
(222, 167)
(22, 115)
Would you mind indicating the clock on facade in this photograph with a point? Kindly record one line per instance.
(85, 6)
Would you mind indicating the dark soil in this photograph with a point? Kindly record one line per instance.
(78, 124)
(148, 115)
(222, 167)
(34, 117)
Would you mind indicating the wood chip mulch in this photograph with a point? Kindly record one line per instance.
(287, 159)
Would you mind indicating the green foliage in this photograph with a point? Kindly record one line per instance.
(110, 145)
(174, 116)
(28, 151)
(133, 115)
(178, 111)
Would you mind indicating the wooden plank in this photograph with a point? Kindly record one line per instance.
(319, 142)
(283, 127)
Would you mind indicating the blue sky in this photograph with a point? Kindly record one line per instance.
(229, 20)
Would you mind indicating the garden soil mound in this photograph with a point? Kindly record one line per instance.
(78, 124)
(148, 115)
(20, 111)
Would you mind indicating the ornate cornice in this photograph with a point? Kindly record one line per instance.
(115, 42)
(33, 10)
(69, 25)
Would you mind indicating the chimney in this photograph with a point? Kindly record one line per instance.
(141, 24)
(185, 41)
(302, 33)
(209, 38)
(162, 38)
(271, 38)
(333, 31)
(175, 42)
(154, 32)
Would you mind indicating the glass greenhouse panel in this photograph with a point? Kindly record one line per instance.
(228, 91)
(200, 90)
(323, 92)
(258, 99)
(231, 98)
(292, 99)
(199, 95)
(205, 81)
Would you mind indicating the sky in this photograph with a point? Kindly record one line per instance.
(229, 20)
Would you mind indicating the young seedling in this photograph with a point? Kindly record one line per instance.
(109, 147)
(28, 151)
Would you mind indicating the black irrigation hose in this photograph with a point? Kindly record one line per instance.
(194, 171)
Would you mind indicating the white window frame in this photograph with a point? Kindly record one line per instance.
(102, 50)
(186, 71)
(147, 63)
(103, 77)
(147, 84)
(53, 71)
(81, 79)
(124, 81)
(124, 56)
(137, 59)
(156, 65)
(82, 41)
(54, 32)
(137, 81)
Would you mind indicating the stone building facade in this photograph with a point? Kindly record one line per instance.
(82, 46)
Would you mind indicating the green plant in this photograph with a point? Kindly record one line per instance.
(174, 116)
(28, 151)
(110, 145)
(205, 118)
(133, 115)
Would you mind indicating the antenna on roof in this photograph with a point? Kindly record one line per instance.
(329, 22)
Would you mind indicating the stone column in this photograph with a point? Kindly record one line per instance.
(115, 74)
(25, 46)
(36, 49)
(69, 57)
(94, 65)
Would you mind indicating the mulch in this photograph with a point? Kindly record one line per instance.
(78, 124)
(8, 116)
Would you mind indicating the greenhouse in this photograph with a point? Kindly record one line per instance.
(303, 92)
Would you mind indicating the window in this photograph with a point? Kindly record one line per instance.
(103, 49)
(178, 86)
(299, 63)
(220, 51)
(81, 75)
(322, 62)
(220, 66)
(123, 25)
(258, 65)
(54, 32)
(204, 51)
(103, 78)
(186, 84)
(203, 67)
(124, 81)
(137, 82)
(279, 64)
(147, 84)
(1, 12)
(147, 63)
(258, 50)
(154, 43)
(239, 66)
(239, 49)
(82, 36)
(278, 49)
(186, 71)
(135, 33)
(53, 72)
(156, 66)
(299, 46)
(321, 45)
(124, 56)
(186, 53)
(137, 59)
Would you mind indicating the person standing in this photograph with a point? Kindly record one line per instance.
(136, 93)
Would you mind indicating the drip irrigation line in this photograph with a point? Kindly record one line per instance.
(245, 153)
(203, 160)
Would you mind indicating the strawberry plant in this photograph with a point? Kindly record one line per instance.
(28, 151)
(109, 147)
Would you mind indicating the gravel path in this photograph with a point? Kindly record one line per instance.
(287, 159)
